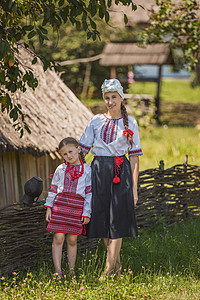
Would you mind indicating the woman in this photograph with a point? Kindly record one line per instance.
(114, 177)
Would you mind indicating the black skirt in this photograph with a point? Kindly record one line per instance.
(112, 203)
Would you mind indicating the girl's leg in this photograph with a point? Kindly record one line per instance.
(71, 250)
(113, 251)
(117, 266)
(57, 245)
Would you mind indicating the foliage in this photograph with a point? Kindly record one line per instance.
(22, 20)
(163, 262)
(73, 44)
(177, 23)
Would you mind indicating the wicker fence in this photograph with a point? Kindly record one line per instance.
(173, 193)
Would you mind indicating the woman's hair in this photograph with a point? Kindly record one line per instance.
(125, 120)
(71, 141)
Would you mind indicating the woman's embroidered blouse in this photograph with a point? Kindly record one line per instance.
(62, 182)
(106, 137)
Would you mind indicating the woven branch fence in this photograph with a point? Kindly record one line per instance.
(173, 194)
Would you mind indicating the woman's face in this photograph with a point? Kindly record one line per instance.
(113, 102)
(70, 153)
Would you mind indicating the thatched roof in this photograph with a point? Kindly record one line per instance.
(123, 54)
(139, 16)
(52, 112)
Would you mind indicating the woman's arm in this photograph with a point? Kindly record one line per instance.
(134, 161)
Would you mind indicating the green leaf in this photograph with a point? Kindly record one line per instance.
(31, 34)
(109, 2)
(21, 133)
(43, 30)
(93, 24)
(28, 27)
(34, 60)
(89, 34)
(107, 17)
(125, 19)
(27, 129)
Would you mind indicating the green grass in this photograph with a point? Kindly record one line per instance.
(169, 144)
(162, 263)
(171, 91)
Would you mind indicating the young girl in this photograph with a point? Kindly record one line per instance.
(114, 177)
(69, 202)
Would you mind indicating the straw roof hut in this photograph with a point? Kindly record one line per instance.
(52, 112)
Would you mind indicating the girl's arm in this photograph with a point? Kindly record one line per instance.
(53, 189)
(134, 161)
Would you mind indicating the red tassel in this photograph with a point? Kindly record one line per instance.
(51, 175)
(116, 179)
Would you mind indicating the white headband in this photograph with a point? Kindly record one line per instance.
(112, 85)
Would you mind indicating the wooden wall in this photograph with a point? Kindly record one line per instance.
(16, 169)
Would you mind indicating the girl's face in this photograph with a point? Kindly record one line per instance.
(70, 153)
(113, 102)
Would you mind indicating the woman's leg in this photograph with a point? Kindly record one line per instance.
(57, 245)
(113, 254)
(117, 267)
(71, 250)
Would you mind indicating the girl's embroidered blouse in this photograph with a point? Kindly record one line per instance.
(106, 137)
(62, 182)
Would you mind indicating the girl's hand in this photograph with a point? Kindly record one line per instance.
(48, 214)
(85, 220)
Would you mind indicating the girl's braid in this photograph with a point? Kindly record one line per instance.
(125, 120)
(82, 156)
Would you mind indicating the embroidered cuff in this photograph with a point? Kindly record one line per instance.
(135, 153)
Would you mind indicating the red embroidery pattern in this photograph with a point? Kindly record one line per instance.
(70, 185)
(53, 188)
(132, 153)
(88, 189)
(85, 148)
(66, 214)
(109, 131)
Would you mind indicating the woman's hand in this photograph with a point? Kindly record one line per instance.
(134, 161)
(85, 220)
(48, 214)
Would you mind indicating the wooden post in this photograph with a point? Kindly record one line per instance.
(86, 81)
(113, 72)
(158, 95)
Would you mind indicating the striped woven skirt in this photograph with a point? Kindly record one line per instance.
(66, 214)
(113, 213)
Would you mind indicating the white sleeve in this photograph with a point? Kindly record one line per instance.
(88, 195)
(87, 139)
(136, 149)
(53, 189)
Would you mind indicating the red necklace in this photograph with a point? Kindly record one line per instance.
(78, 174)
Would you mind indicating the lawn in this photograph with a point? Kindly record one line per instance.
(169, 144)
(171, 90)
(162, 263)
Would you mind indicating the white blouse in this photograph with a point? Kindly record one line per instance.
(106, 137)
(62, 182)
